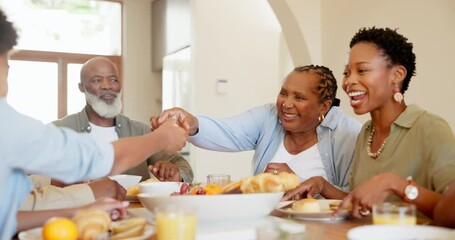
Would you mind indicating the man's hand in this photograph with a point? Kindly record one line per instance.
(107, 188)
(166, 171)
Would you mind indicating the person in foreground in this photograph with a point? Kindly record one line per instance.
(101, 118)
(27, 146)
(404, 152)
(302, 133)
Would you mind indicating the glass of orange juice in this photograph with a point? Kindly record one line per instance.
(220, 179)
(394, 213)
(175, 222)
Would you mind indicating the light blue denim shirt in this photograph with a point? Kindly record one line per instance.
(27, 146)
(259, 129)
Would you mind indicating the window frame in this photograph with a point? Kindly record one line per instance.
(62, 59)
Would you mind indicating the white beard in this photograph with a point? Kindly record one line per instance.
(104, 109)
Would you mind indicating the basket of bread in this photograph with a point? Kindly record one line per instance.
(251, 197)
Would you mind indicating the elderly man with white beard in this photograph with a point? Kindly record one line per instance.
(102, 119)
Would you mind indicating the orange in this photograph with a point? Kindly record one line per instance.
(59, 228)
(212, 188)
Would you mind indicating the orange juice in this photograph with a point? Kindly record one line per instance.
(176, 226)
(394, 219)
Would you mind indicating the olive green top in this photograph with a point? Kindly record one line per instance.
(421, 145)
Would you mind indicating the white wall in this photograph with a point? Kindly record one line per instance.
(237, 40)
(141, 86)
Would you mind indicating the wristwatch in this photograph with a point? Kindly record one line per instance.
(411, 192)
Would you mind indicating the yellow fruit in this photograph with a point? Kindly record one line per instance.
(59, 228)
(212, 188)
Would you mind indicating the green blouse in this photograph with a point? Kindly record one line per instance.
(421, 145)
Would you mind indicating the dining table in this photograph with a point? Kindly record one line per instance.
(321, 230)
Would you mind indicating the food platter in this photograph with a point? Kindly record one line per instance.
(35, 234)
(325, 213)
(218, 207)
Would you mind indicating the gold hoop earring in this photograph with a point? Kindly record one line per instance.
(321, 118)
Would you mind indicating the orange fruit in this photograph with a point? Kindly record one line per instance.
(212, 188)
(59, 228)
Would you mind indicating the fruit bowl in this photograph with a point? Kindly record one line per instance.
(218, 207)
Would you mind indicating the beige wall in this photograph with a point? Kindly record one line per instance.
(237, 40)
(142, 86)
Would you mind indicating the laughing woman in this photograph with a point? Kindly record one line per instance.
(403, 152)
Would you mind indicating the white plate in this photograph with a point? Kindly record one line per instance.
(324, 215)
(35, 234)
(402, 232)
(219, 207)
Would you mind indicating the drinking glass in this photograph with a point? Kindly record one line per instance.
(220, 179)
(175, 222)
(394, 213)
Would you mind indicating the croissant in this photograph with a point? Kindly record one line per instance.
(91, 222)
(261, 183)
(289, 180)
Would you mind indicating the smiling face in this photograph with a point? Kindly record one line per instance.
(298, 103)
(368, 78)
(102, 87)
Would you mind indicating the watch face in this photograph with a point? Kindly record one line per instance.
(411, 192)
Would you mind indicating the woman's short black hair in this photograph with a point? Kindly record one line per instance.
(327, 85)
(8, 35)
(393, 45)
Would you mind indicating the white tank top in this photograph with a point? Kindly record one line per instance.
(306, 164)
(103, 134)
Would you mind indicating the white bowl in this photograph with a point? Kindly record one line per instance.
(402, 232)
(218, 207)
(160, 188)
(126, 180)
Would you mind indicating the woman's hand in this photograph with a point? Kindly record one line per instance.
(373, 191)
(276, 168)
(307, 189)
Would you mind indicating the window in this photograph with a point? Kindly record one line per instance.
(55, 38)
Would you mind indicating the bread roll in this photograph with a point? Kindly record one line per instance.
(307, 205)
(91, 222)
(262, 183)
(127, 224)
(135, 189)
(232, 187)
(128, 228)
(135, 231)
(289, 180)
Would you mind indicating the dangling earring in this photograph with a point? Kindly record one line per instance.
(321, 118)
(398, 97)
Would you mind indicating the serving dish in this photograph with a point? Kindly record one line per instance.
(126, 180)
(324, 215)
(218, 207)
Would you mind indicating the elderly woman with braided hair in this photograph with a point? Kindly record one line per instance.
(303, 132)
